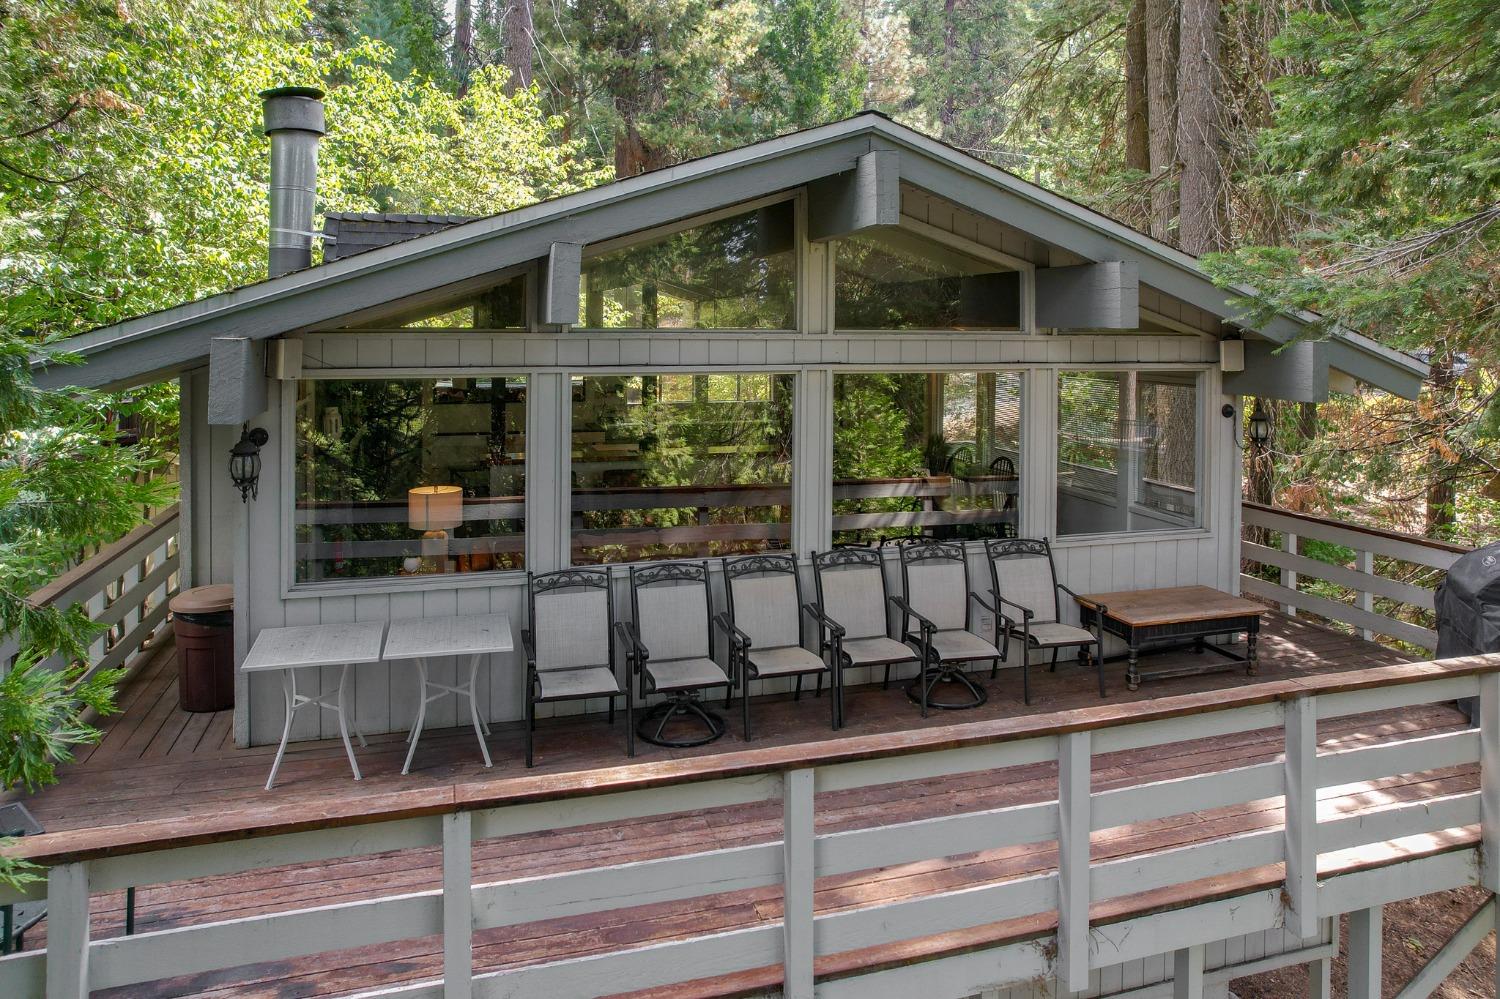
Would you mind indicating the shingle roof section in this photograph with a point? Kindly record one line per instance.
(348, 234)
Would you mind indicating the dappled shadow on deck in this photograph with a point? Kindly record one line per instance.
(157, 762)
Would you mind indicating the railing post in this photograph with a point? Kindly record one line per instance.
(797, 877)
(458, 906)
(1365, 600)
(1365, 928)
(1187, 973)
(1074, 763)
(1289, 576)
(68, 932)
(1301, 814)
(1320, 978)
(1489, 779)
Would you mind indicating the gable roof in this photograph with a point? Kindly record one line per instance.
(457, 253)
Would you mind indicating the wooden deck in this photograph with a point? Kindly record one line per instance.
(156, 762)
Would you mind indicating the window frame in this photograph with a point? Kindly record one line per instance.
(291, 588)
(565, 440)
(800, 271)
(1203, 482)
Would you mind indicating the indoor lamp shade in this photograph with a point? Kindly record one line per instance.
(435, 508)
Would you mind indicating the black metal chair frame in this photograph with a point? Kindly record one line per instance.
(568, 579)
(833, 633)
(935, 668)
(740, 644)
(678, 702)
(995, 551)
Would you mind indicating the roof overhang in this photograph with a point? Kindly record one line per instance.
(164, 343)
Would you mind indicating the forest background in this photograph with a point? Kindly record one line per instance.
(1340, 156)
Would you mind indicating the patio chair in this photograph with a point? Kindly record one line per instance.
(570, 646)
(764, 624)
(670, 648)
(854, 611)
(940, 601)
(1024, 585)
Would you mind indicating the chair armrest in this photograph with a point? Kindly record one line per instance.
(634, 648)
(905, 608)
(1083, 601)
(1026, 612)
(993, 609)
(736, 636)
(831, 626)
(530, 646)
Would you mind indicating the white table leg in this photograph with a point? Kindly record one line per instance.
(289, 694)
(344, 720)
(474, 711)
(416, 729)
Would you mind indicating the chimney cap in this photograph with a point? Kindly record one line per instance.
(293, 109)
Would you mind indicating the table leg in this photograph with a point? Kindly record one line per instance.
(344, 720)
(289, 694)
(1252, 655)
(474, 710)
(1132, 674)
(416, 729)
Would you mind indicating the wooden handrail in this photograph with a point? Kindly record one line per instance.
(276, 819)
(1415, 539)
(100, 563)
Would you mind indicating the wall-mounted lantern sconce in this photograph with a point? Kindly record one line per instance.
(244, 462)
(1260, 426)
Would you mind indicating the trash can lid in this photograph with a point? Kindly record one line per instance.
(204, 600)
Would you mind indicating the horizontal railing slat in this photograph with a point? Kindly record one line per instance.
(927, 839)
(90, 576)
(1337, 610)
(1198, 793)
(1398, 821)
(928, 915)
(1410, 756)
(1392, 589)
(1422, 551)
(1147, 872)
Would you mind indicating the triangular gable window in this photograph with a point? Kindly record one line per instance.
(891, 279)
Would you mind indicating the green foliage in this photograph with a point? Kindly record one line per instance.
(809, 72)
(41, 718)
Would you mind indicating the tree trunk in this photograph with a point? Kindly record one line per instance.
(1442, 472)
(463, 44)
(1161, 99)
(1137, 136)
(519, 49)
(1201, 224)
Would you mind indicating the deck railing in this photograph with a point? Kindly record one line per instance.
(1104, 912)
(1385, 599)
(124, 588)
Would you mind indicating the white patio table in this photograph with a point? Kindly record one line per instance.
(291, 649)
(426, 638)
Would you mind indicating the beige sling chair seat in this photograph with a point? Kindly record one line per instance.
(1025, 588)
(853, 608)
(940, 602)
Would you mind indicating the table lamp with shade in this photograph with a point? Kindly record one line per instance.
(435, 510)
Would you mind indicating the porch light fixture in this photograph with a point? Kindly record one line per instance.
(1260, 426)
(244, 462)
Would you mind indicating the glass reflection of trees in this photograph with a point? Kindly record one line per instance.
(926, 454)
(734, 273)
(893, 280)
(675, 466)
(362, 444)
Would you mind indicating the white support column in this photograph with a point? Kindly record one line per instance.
(1187, 973)
(1288, 576)
(1365, 926)
(68, 932)
(812, 457)
(1364, 599)
(1074, 763)
(1489, 779)
(798, 875)
(548, 473)
(1301, 816)
(1320, 979)
(458, 907)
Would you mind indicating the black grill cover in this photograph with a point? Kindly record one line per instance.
(1468, 605)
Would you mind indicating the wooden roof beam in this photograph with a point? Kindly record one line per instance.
(867, 197)
(1101, 296)
(236, 380)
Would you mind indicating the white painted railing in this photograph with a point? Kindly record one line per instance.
(1362, 578)
(124, 588)
(165, 851)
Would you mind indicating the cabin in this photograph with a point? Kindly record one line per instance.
(851, 339)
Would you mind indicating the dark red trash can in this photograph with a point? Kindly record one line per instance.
(203, 622)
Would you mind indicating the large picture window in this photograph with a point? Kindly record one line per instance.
(1127, 456)
(926, 454)
(409, 477)
(891, 279)
(678, 466)
(736, 273)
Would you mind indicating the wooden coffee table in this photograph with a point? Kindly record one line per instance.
(1147, 619)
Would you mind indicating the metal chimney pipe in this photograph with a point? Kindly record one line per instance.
(294, 122)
